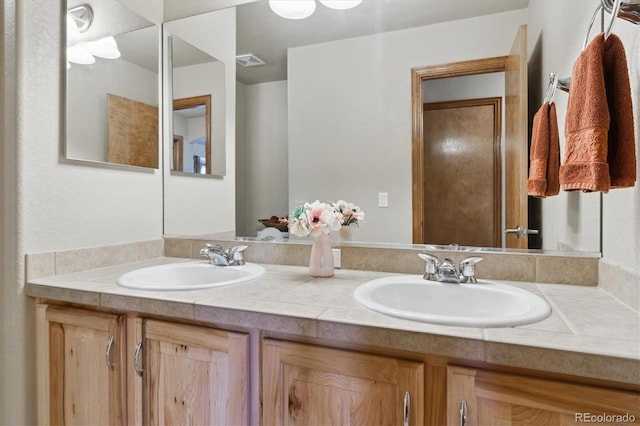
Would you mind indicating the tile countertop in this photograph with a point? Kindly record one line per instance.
(589, 333)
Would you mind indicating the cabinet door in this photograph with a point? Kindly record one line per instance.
(86, 367)
(506, 399)
(312, 385)
(195, 375)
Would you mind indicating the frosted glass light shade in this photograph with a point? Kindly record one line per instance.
(340, 4)
(78, 55)
(106, 48)
(293, 9)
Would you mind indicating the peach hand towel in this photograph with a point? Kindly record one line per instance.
(621, 147)
(587, 124)
(545, 153)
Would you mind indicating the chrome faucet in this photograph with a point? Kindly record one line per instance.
(446, 271)
(233, 256)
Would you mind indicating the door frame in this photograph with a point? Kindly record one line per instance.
(418, 76)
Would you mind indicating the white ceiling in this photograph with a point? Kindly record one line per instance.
(266, 35)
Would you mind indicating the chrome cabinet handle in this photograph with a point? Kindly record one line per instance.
(107, 353)
(463, 413)
(406, 408)
(136, 354)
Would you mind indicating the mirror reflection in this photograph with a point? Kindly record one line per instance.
(192, 135)
(329, 114)
(112, 76)
(198, 89)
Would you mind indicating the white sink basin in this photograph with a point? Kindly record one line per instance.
(485, 304)
(188, 276)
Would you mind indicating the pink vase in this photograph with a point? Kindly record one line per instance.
(346, 233)
(321, 260)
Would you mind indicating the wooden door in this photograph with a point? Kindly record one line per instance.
(462, 172)
(505, 399)
(195, 375)
(312, 385)
(516, 140)
(87, 375)
(132, 132)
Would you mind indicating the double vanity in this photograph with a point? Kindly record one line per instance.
(265, 343)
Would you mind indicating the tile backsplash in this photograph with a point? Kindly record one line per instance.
(560, 269)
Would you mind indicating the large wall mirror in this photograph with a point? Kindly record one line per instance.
(112, 89)
(327, 112)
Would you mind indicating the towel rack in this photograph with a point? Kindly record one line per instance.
(629, 11)
(551, 89)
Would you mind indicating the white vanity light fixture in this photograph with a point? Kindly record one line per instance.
(300, 9)
(293, 9)
(79, 20)
(340, 4)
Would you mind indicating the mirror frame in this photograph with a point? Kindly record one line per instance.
(192, 102)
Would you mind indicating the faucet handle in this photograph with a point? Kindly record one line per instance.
(236, 255)
(468, 268)
(431, 265)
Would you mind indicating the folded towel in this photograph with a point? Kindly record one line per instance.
(587, 124)
(545, 153)
(621, 148)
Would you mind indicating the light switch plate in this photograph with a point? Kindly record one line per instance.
(337, 258)
(383, 199)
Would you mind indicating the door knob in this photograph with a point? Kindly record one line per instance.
(521, 231)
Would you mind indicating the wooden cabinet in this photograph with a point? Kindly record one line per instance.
(195, 375)
(313, 385)
(86, 367)
(497, 398)
(91, 371)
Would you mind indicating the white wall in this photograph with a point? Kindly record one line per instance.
(16, 376)
(350, 108)
(195, 204)
(557, 29)
(262, 181)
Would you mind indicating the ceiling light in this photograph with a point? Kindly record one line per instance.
(77, 55)
(106, 48)
(340, 4)
(82, 17)
(293, 9)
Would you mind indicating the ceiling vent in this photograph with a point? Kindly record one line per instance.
(249, 60)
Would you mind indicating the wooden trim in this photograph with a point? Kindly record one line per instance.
(42, 365)
(178, 148)
(418, 76)
(195, 101)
